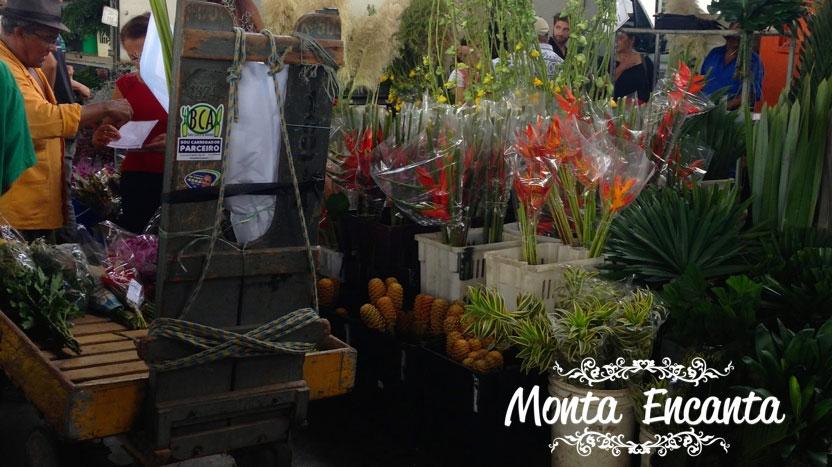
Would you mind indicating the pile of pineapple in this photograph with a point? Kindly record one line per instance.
(329, 289)
(386, 300)
(430, 317)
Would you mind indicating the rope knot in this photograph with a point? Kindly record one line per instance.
(275, 61)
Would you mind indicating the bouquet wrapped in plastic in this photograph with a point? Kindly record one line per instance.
(356, 132)
(98, 190)
(70, 262)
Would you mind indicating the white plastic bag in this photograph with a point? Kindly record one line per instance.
(152, 65)
(254, 150)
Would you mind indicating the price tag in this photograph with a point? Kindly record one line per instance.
(134, 293)
(110, 16)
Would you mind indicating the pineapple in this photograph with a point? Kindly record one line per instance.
(326, 292)
(480, 365)
(458, 350)
(494, 359)
(456, 310)
(420, 328)
(335, 280)
(422, 308)
(474, 344)
(451, 324)
(341, 312)
(371, 317)
(437, 315)
(390, 281)
(469, 362)
(459, 303)
(388, 311)
(376, 289)
(396, 293)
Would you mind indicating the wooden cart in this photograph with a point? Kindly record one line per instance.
(100, 392)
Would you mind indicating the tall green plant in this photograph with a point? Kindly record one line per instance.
(814, 51)
(665, 231)
(786, 158)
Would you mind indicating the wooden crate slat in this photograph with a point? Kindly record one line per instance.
(100, 338)
(97, 360)
(105, 371)
(96, 349)
(89, 319)
(96, 328)
(133, 334)
(139, 378)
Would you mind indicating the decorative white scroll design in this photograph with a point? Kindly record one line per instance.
(690, 440)
(590, 373)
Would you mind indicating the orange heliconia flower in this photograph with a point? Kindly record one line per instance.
(616, 195)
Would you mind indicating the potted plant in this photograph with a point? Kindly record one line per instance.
(593, 319)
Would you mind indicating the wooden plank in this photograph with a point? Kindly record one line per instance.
(85, 374)
(99, 338)
(230, 264)
(96, 349)
(96, 328)
(96, 360)
(42, 383)
(219, 45)
(89, 319)
(139, 379)
(134, 334)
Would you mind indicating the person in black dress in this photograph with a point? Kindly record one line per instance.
(633, 71)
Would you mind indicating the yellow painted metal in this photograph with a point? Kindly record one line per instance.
(330, 371)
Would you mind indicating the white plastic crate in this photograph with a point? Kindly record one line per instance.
(331, 262)
(508, 273)
(447, 272)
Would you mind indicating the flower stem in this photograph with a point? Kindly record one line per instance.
(601, 234)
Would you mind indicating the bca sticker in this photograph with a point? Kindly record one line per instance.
(201, 129)
(202, 178)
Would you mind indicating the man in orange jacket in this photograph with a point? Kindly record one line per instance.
(35, 203)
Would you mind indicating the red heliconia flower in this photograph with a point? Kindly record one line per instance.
(569, 104)
(616, 195)
(686, 82)
(438, 191)
(532, 185)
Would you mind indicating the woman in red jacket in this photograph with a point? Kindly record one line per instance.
(141, 172)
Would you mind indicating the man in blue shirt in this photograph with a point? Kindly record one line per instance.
(720, 66)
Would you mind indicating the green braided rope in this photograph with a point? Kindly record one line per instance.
(275, 63)
(235, 73)
(218, 344)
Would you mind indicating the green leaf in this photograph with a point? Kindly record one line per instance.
(794, 396)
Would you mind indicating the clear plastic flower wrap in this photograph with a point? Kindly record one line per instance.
(499, 120)
(688, 162)
(70, 262)
(357, 131)
(533, 145)
(621, 183)
(14, 252)
(425, 176)
(98, 191)
(676, 98)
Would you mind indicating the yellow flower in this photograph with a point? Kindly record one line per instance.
(535, 54)
(558, 89)
(480, 93)
(412, 73)
(537, 82)
(477, 100)
(398, 106)
(383, 77)
(428, 77)
(551, 84)
(441, 99)
(392, 77)
(450, 84)
(479, 66)
(486, 79)
(518, 48)
(613, 104)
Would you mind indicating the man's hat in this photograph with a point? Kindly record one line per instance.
(541, 27)
(45, 12)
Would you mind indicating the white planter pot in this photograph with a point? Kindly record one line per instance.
(331, 263)
(645, 435)
(566, 455)
(506, 270)
(447, 272)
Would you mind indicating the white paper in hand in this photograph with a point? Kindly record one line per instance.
(152, 66)
(133, 134)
